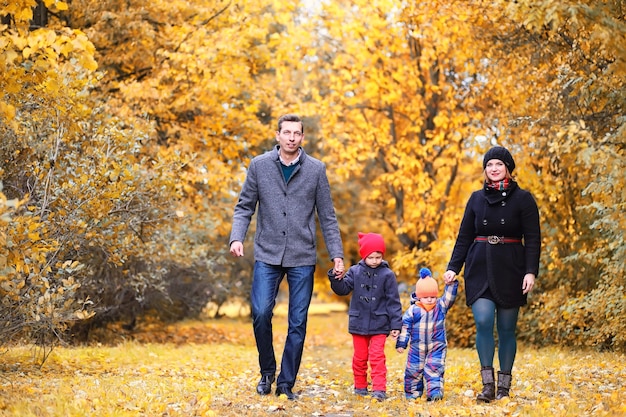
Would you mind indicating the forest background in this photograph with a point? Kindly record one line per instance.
(127, 126)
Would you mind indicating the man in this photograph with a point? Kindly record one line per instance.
(288, 188)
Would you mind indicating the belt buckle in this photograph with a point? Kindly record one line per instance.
(494, 240)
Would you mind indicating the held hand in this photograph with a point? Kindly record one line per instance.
(236, 248)
(528, 284)
(400, 350)
(339, 268)
(449, 276)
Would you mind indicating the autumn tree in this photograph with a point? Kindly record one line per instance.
(211, 79)
(133, 169)
(401, 99)
(90, 222)
(46, 173)
(410, 95)
(127, 127)
(565, 63)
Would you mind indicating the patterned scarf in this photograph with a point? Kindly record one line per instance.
(499, 185)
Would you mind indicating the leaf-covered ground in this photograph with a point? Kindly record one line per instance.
(210, 369)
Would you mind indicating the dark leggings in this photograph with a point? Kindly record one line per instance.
(485, 312)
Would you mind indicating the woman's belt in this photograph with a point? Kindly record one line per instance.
(497, 240)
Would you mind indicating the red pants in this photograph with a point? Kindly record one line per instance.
(372, 349)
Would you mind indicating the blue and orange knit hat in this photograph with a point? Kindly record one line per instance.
(426, 285)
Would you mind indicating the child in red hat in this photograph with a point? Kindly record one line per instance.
(375, 312)
(424, 325)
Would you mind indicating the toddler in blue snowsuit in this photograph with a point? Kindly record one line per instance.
(423, 324)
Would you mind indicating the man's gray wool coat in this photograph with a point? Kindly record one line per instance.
(285, 224)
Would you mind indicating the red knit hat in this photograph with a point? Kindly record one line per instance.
(370, 242)
(426, 285)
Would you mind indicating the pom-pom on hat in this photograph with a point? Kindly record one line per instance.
(501, 153)
(426, 285)
(370, 242)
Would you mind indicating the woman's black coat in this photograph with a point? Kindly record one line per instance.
(500, 267)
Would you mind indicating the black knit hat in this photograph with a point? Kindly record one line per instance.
(501, 153)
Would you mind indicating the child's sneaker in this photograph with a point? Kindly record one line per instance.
(363, 392)
(413, 395)
(379, 395)
(437, 396)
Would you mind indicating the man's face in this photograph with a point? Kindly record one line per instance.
(290, 137)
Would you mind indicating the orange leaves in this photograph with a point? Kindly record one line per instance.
(390, 142)
(202, 79)
(145, 163)
(56, 5)
(205, 376)
(20, 10)
(575, 159)
(42, 62)
(90, 203)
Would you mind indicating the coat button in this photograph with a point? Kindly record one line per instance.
(485, 222)
(501, 221)
(503, 203)
(504, 193)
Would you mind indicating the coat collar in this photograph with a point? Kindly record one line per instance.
(276, 155)
(494, 196)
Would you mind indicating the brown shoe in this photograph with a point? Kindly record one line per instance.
(488, 393)
(504, 385)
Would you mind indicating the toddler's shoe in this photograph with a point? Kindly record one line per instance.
(379, 395)
(361, 392)
(437, 396)
(412, 395)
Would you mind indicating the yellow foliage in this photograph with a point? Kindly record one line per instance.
(212, 376)
(381, 125)
(401, 101)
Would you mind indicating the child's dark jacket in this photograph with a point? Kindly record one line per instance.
(375, 306)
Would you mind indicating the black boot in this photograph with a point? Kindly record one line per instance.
(504, 384)
(489, 386)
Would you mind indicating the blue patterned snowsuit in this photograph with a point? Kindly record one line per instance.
(426, 331)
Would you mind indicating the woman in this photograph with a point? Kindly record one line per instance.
(499, 242)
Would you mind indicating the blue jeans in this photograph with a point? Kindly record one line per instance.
(265, 283)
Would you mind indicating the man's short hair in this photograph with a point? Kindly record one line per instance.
(290, 118)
